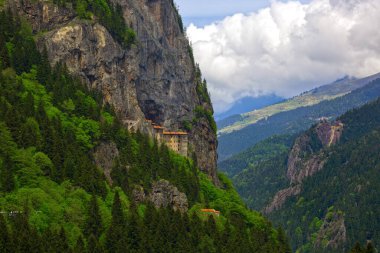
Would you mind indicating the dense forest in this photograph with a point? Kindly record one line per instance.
(259, 172)
(343, 192)
(294, 121)
(347, 184)
(53, 197)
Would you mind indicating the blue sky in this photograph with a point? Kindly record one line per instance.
(203, 12)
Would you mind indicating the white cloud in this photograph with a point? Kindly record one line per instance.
(287, 48)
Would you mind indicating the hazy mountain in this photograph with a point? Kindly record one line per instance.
(244, 105)
(298, 113)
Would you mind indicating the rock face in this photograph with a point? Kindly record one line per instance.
(332, 233)
(155, 79)
(164, 194)
(329, 133)
(280, 198)
(306, 158)
(105, 155)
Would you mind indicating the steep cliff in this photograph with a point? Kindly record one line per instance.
(307, 156)
(154, 79)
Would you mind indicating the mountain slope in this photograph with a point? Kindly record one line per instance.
(147, 72)
(328, 178)
(326, 92)
(74, 179)
(293, 121)
(244, 105)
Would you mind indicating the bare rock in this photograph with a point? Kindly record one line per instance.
(280, 198)
(105, 155)
(164, 194)
(329, 133)
(138, 194)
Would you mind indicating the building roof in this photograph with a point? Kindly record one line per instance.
(210, 211)
(175, 133)
(158, 127)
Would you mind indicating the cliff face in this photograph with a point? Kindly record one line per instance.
(154, 79)
(306, 158)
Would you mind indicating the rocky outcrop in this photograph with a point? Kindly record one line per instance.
(155, 79)
(280, 198)
(329, 133)
(105, 155)
(300, 147)
(164, 194)
(138, 194)
(305, 168)
(306, 158)
(332, 233)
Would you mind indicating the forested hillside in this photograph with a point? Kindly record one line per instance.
(259, 172)
(55, 196)
(337, 203)
(294, 121)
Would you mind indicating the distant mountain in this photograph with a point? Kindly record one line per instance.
(247, 104)
(323, 188)
(299, 113)
(326, 92)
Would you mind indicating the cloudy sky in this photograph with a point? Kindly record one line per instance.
(261, 47)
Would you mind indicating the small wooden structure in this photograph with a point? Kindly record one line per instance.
(210, 211)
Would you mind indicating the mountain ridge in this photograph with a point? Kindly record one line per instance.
(329, 91)
(294, 121)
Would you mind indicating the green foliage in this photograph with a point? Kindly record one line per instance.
(202, 91)
(348, 182)
(56, 199)
(108, 15)
(179, 18)
(259, 172)
(201, 112)
(294, 121)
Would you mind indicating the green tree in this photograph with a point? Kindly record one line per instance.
(80, 247)
(370, 248)
(5, 236)
(93, 245)
(94, 220)
(357, 248)
(116, 241)
(284, 245)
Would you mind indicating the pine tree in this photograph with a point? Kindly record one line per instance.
(25, 238)
(93, 245)
(116, 241)
(132, 231)
(283, 242)
(370, 248)
(357, 248)
(5, 236)
(94, 220)
(7, 177)
(44, 69)
(62, 245)
(80, 246)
